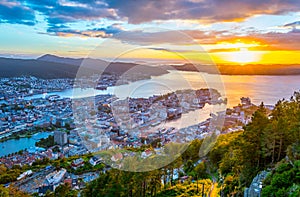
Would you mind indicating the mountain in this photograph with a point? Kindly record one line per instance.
(71, 61)
(51, 66)
(249, 69)
(259, 69)
(99, 66)
(61, 60)
(47, 70)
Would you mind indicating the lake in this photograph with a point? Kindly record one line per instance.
(15, 145)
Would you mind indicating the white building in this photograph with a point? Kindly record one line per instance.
(55, 177)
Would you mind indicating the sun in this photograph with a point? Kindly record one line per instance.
(243, 56)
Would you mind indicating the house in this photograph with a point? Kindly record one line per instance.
(173, 113)
(146, 153)
(117, 157)
(77, 163)
(94, 161)
(184, 178)
(68, 181)
(246, 101)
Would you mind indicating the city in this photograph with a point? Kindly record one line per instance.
(74, 143)
(149, 98)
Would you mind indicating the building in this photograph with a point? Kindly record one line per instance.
(56, 177)
(117, 157)
(60, 138)
(77, 163)
(94, 161)
(25, 174)
(173, 113)
(246, 101)
(44, 188)
(146, 153)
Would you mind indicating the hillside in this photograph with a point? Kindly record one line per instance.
(61, 60)
(18, 67)
(50, 66)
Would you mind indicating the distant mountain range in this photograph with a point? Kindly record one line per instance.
(249, 69)
(34, 67)
(61, 60)
(51, 66)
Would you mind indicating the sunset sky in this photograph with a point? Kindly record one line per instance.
(228, 32)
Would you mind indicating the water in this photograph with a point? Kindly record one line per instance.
(194, 117)
(268, 89)
(15, 145)
(72, 93)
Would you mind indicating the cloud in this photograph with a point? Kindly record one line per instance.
(140, 11)
(258, 41)
(158, 49)
(294, 24)
(104, 32)
(60, 14)
(281, 41)
(140, 37)
(267, 41)
(148, 38)
(63, 11)
(182, 37)
(15, 13)
(223, 50)
(205, 10)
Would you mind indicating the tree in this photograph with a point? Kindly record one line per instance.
(200, 171)
(283, 181)
(11, 191)
(65, 190)
(3, 191)
(188, 166)
(2, 168)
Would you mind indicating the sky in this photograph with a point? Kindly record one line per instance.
(210, 31)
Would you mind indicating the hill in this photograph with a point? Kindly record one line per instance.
(41, 69)
(61, 60)
(50, 66)
(249, 69)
